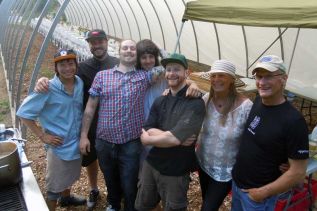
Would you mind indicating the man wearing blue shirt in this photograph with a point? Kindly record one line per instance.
(59, 112)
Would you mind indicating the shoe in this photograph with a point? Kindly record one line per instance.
(71, 201)
(109, 208)
(93, 197)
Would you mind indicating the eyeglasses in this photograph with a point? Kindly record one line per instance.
(266, 77)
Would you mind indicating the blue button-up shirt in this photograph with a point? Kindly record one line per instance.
(59, 113)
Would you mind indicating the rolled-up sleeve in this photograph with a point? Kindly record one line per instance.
(95, 89)
(32, 106)
(191, 121)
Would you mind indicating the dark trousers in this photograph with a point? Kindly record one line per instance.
(119, 164)
(213, 192)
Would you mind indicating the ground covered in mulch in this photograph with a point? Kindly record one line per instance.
(36, 153)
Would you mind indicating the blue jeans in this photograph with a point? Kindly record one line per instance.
(119, 164)
(242, 202)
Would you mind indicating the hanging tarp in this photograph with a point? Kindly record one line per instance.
(273, 13)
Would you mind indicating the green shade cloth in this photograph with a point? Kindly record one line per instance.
(267, 13)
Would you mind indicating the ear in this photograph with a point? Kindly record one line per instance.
(186, 73)
(285, 77)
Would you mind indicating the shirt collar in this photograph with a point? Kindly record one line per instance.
(180, 93)
(57, 82)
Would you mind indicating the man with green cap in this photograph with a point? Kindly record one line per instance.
(173, 118)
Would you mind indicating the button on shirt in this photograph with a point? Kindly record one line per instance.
(121, 103)
(59, 113)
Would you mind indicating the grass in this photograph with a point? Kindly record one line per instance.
(4, 109)
(47, 73)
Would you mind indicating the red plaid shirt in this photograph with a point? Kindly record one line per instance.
(121, 104)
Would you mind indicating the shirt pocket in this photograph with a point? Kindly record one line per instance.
(139, 83)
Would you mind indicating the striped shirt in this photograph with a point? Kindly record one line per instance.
(121, 103)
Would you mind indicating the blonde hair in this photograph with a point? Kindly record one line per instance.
(231, 98)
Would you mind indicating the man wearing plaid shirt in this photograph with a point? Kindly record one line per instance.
(120, 94)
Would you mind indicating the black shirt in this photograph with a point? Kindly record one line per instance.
(272, 135)
(183, 117)
(87, 71)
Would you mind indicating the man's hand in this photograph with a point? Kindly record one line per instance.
(193, 91)
(144, 137)
(189, 141)
(42, 85)
(84, 145)
(256, 194)
(166, 91)
(284, 167)
(51, 140)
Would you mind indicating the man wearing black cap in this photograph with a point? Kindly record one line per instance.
(87, 70)
(98, 44)
(172, 119)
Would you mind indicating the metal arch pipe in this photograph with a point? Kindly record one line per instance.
(8, 30)
(195, 36)
(125, 19)
(159, 23)
(10, 33)
(44, 45)
(218, 42)
(76, 18)
(69, 11)
(136, 21)
(282, 43)
(100, 22)
(114, 26)
(36, 6)
(147, 21)
(78, 10)
(11, 19)
(104, 16)
(84, 13)
(268, 47)
(115, 11)
(4, 33)
(293, 52)
(171, 14)
(90, 14)
(246, 50)
(179, 36)
(13, 41)
(28, 49)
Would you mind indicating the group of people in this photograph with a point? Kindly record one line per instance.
(111, 113)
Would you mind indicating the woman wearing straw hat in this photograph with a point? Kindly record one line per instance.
(226, 114)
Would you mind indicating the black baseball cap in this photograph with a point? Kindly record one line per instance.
(96, 33)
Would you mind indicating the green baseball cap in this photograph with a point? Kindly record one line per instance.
(175, 58)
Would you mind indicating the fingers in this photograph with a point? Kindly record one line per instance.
(54, 141)
(42, 85)
(166, 91)
(193, 93)
(84, 146)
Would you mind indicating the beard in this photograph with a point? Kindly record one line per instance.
(99, 53)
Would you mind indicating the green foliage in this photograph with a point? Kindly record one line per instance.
(47, 73)
(4, 109)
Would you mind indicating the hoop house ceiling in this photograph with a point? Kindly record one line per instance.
(240, 31)
(207, 36)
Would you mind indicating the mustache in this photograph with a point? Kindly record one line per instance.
(95, 49)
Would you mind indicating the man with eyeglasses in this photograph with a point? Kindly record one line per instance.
(275, 133)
